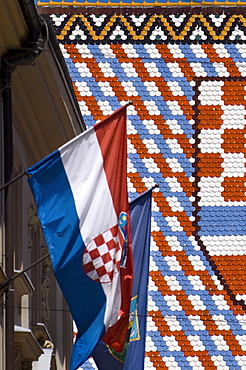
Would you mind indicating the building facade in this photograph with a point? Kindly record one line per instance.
(38, 113)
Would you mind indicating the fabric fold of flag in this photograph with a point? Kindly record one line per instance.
(132, 357)
(81, 196)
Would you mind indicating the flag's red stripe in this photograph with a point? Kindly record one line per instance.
(111, 135)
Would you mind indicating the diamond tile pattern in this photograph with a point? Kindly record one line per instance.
(186, 132)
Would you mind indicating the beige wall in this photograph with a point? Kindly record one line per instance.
(45, 116)
(37, 297)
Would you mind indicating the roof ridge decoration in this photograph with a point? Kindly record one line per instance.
(191, 28)
(141, 3)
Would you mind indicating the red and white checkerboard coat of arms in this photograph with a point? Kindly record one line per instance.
(102, 256)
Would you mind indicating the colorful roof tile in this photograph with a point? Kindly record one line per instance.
(185, 76)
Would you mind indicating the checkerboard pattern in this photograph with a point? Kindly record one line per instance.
(222, 141)
(221, 171)
(102, 257)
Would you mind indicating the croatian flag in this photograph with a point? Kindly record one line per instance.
(81, 195)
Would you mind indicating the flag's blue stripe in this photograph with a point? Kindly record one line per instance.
(60, 223)
(84, 344)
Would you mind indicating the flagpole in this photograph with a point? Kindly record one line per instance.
(9, 280)
(13, 180)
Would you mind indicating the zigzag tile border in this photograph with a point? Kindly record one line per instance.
(186, 132)
(154, 29)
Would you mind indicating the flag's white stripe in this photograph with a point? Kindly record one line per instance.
(85, 156)
(111, 291)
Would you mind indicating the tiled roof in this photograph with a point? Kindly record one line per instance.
(187, 133)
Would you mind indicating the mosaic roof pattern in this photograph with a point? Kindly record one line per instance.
(187, 133)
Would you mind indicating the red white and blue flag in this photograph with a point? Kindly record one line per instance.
(81, 195)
